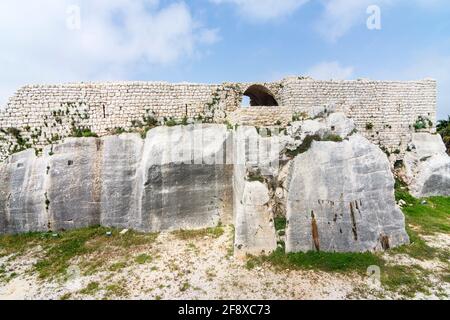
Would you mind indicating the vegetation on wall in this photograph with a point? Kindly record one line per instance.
(443, 128)
(423, 123)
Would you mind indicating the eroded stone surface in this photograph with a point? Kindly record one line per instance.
(120, 181)
(340, 198)
(427, 166)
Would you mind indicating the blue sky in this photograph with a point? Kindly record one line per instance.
(49, 41)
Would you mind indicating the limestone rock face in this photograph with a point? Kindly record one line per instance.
(340, 197)
(120, 181)
(337, 196)
(255, 231)
(427, 166)
(73, 183)
(22, 189)
(254, 227)
(186, 181)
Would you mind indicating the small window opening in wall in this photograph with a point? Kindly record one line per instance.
(70, 162)
(104, 112)
(20, 165)
(333, 128)
(245, 102)
(260, 96)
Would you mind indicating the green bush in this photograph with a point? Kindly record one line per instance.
(443, 128)
(423, 123)
(83, 133)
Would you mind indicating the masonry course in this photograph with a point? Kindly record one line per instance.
(383, 111)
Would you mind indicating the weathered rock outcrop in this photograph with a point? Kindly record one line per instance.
(340, 198)
(427, 166)
(254, 219)
(120, 181)
(337, 196)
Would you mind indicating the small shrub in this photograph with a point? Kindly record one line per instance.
(150, 121)
(170, 122)
(117, 131)
(299, 116)
(369, 126)
(255, 176)
(423, 123)
(304, 146)
(332, 137)
(280, 223)
(83, 133)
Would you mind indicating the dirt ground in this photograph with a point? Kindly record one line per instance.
(200, 268)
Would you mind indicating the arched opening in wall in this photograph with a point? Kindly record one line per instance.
(258, 95)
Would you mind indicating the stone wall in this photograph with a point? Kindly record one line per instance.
(389, 108)
(39, 115)
(262, 116)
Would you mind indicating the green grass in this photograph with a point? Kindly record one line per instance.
(17, 244)
(116, 290)
(65, 296)
(324, 261)
(196, 234)
(58, 252)
(405, 280)
(83, 133)
(117, 266)
(91, 289)
(143, 258)
(422, 219)
(332, 137)
(280, 223)
(431, 217)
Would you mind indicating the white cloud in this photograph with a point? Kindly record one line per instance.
(264, 10)
(340, 16)
(330, 70)
(116, 38)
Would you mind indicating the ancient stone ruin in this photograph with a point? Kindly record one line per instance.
(156, 157)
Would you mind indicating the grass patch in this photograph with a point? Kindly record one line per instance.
(18, 244)
(83, 133)
(324, 261)
(185, 286)
(431, 217)
(256, 176)
(195, 234)
(306, 144)
(418, 249)
(117, 266)
(91, 289)
(116, 290)
(60, 251)
(332, 137)
(65, 297)
(143, 259)
(405, 280)
(280, 223)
